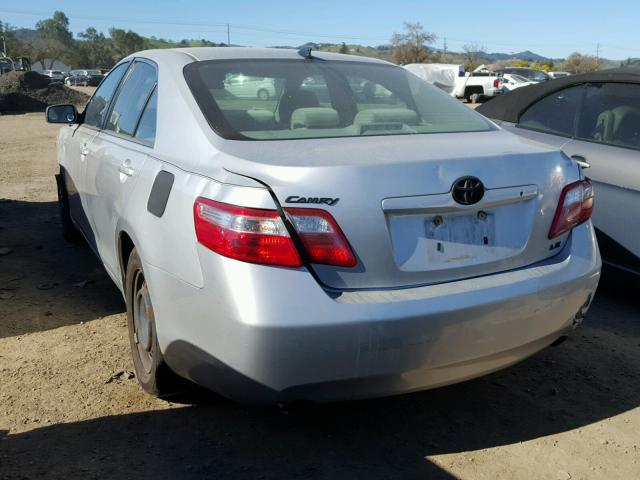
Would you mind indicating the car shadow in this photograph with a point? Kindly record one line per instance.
(592, 376)
(46, 282)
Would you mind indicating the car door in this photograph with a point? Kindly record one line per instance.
(80, 148)
(122, 147)
(608, 139)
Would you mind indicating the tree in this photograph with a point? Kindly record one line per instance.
(518, 62)
(54, 41)
(56, 28)
(411, 46)
(343, 48)
(41, 49)
(14, 46)
(578, 63)
(473, 56)
(124, 43)
(92, 50)
(547, 65)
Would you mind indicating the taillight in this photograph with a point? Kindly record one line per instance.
(321, 237)
(496, 83)
(575, 207)
(260, 236)
(247, 234)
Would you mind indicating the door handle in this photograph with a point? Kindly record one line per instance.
(126, 169)
(581, 161)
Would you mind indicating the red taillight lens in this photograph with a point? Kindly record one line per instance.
(247, 234)
(575, 206)
(321, 237)
(496, 83)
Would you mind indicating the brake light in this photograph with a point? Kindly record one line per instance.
(321, 237)
(575, 207)
(247, 234)
(496, 83)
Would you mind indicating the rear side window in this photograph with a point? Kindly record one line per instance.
(132, 98)
(146, 131)
(611, 115)
(96, 110)
(555, 113)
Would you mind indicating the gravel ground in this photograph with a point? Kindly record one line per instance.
(67, 408)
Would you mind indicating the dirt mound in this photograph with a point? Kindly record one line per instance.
(32, 92)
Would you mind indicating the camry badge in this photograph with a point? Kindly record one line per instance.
(318, 200)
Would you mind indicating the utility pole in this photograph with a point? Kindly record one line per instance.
(228, 36)
(4, 47)
(598, 55)
(444, 49)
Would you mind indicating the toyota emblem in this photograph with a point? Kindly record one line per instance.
(467, 190)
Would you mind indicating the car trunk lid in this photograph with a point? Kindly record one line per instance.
(392, 197)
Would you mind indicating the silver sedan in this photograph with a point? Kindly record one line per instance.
(323, 242)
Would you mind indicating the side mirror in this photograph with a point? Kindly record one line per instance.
(61, 114)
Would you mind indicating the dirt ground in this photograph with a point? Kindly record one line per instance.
(570, 412)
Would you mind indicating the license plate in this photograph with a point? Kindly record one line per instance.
(459, 238)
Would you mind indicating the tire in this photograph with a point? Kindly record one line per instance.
(153, 374)
(69, 230)
(472, 94)
(263, 94)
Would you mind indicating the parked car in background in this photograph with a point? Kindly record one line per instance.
(291, 249)
(83, 77)
(54, 75)
(6, 65)
(482, 83)
(558, 74)
(244, 86)
(511, 81)
(595, 119)
(530, 74)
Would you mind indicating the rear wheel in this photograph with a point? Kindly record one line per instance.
(473, 94)
(153, 374)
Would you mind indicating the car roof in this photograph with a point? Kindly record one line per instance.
(238, 53)
(509, 107)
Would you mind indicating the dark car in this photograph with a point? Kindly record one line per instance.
(528, 73)
(595, 119)
(84, 77)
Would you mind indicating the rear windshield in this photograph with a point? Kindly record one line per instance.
(300, 99)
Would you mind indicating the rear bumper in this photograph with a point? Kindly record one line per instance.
(492, 92)
(264, 334)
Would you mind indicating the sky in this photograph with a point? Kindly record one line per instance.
(549, 28)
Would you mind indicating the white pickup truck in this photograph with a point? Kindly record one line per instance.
(452, 78)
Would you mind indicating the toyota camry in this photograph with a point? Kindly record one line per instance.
(355, 233)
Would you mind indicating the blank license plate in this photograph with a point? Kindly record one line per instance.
(459, 238)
